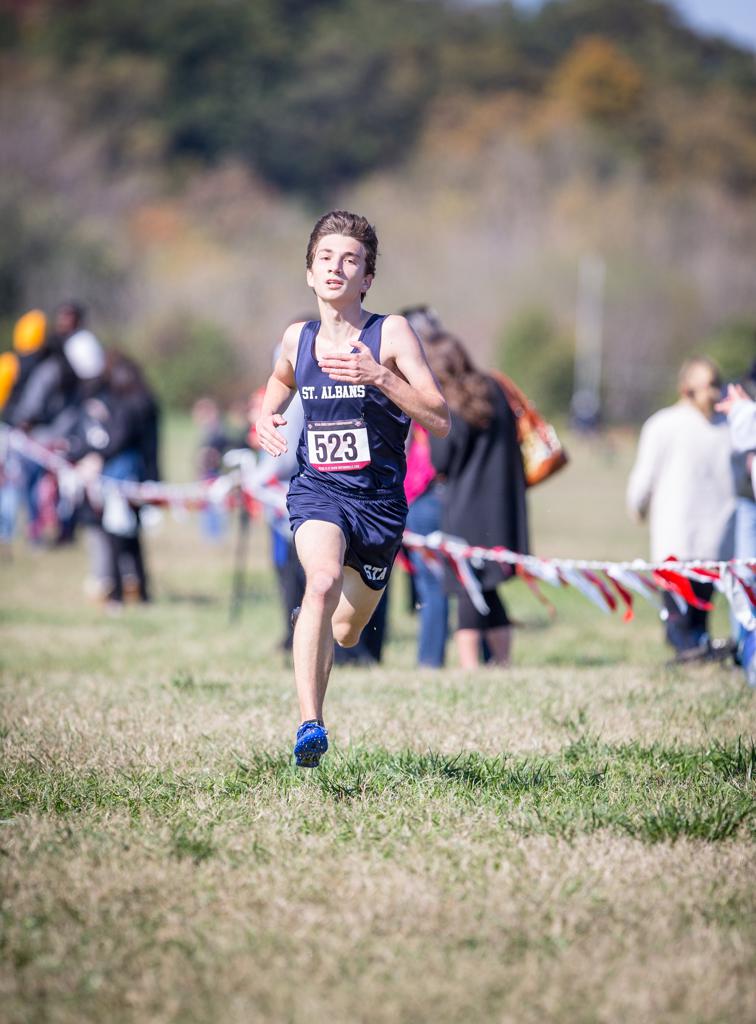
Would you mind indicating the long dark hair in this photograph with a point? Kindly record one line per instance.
(124, 376)
(468, 391)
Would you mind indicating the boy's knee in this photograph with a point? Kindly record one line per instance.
(324, 584)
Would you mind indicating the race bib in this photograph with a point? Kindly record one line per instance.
(339, 445)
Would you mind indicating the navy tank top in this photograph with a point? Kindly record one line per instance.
(353, 435)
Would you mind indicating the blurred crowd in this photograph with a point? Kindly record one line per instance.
(693, 479)
(65, 392)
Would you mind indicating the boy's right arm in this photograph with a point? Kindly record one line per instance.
(278, 393)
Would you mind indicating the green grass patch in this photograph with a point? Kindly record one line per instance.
(570, 840)
(650, 793)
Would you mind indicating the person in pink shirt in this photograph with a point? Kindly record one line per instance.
(424, 493)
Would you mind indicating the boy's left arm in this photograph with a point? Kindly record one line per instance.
(403, 375)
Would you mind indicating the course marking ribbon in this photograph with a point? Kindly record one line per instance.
(595, 579)
(598, 581)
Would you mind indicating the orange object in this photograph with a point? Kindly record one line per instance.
(542, 451)
(30, 332)
(8, 375)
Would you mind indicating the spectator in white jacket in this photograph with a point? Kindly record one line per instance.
(682, 480)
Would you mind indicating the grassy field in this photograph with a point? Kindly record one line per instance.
(570, 840)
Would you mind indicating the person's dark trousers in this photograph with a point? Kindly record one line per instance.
(374, 634)
(688, 629)
(67, 527)
(424, 518)
(131, 546)
(291, 583)
(126, 466)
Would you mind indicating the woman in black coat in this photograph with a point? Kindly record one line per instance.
(484, 499)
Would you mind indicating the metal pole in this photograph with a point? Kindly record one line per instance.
(589, 326)
(238, 585)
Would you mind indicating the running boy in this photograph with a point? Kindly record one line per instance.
(361, 377)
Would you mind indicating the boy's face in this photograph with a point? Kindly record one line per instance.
(338, 273)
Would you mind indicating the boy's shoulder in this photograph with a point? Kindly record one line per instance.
(291, 336)
(295, 329)
(396, 327)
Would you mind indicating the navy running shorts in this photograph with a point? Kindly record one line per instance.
(373, 524)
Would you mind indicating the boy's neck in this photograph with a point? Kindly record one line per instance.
(341, 323)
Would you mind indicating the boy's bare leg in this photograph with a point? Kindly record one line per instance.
(320, 547)
(355, 608)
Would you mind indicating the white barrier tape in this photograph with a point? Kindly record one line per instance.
(543, 567)
(585, 575)
(636, 576)
(737, 598)
(199, 494)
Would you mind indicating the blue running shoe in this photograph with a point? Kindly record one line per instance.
(312, 743)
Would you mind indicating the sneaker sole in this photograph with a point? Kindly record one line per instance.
(309, 754)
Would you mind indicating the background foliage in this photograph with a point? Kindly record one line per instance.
(166, 161)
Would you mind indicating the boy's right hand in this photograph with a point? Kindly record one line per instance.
(269, 437)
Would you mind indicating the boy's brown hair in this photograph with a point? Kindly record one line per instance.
(340, 222)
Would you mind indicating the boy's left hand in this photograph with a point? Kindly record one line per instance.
(355, 368)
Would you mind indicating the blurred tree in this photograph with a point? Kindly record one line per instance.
(315, 93)
(486, 51)
(733, 348)
(123, 96)
(45, 256)
(352, 100)
(310, 93)
(599, 82)
(716, 143)
(651, 32)
(112, 113)
(189, 357)
(535, 354)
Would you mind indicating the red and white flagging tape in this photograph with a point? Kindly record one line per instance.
(610, 586)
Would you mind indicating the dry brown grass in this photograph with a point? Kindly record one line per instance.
(162, 862)
(601, 928)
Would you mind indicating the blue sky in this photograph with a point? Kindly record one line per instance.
(734, 19)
